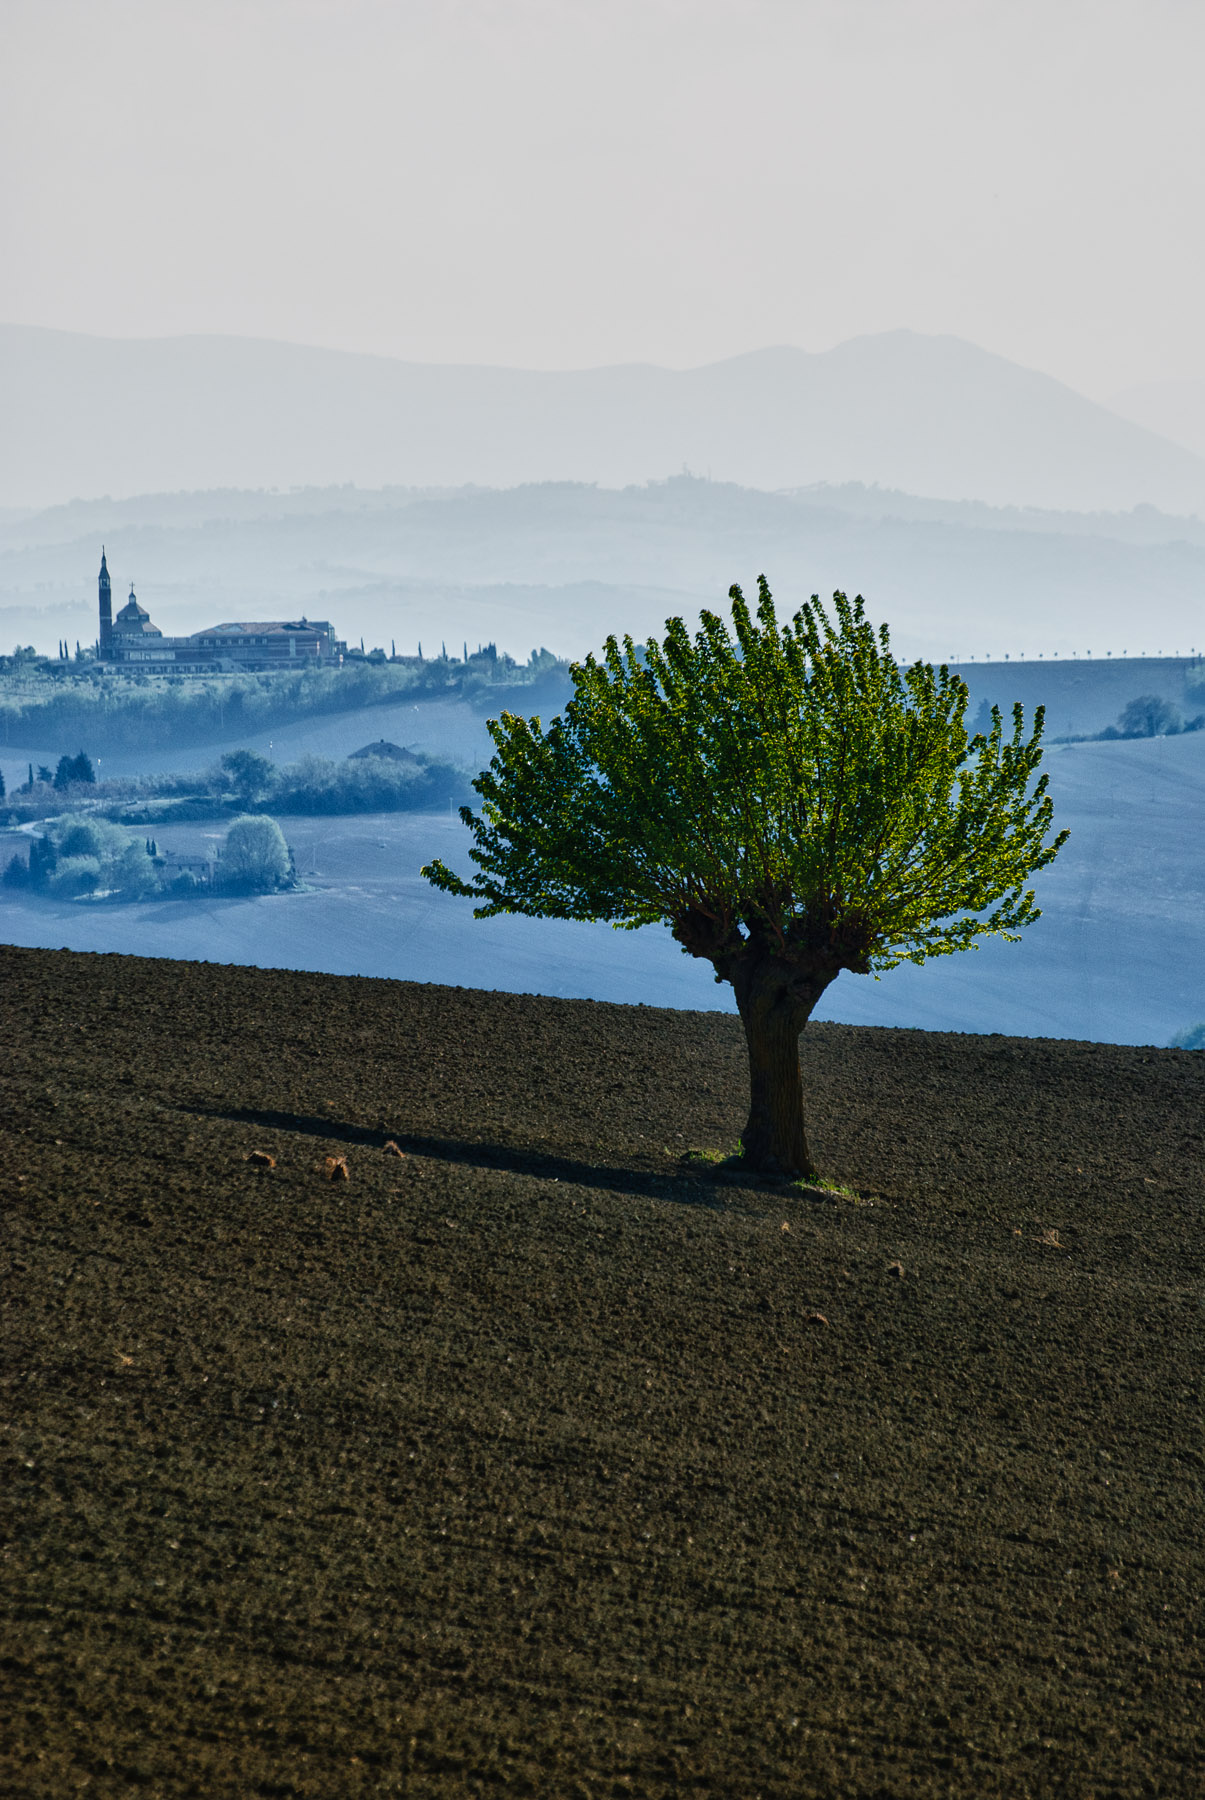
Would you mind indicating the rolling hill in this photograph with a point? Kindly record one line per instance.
(88, 416)
(562, 563)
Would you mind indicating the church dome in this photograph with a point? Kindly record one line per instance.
(133, 617)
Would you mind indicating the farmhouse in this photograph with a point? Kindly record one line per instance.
(131, 639)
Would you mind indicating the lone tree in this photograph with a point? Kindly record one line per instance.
(791, 804)
(1148, 716)
(250, 775)
(255, 857)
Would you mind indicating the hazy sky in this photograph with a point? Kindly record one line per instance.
(560, 183)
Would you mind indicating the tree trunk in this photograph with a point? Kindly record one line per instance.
(774, 1012)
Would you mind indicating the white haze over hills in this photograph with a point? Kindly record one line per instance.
(935, 415)
(1173, 409)
(561, 564)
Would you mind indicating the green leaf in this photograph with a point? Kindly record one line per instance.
(772, 790)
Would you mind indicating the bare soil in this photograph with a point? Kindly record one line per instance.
(538, 1460)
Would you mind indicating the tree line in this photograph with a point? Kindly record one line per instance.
(242, 779)
(116, 708)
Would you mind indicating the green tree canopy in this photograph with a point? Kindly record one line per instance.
(250, 775)
(74, 768)
(1148, 716)
(91, 836)
(255, 856)
(792, 804)
(133, 873)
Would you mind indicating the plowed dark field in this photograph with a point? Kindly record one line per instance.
(538, 1460)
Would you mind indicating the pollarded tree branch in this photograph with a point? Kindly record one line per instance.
(791, 804)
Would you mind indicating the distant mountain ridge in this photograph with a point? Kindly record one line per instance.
(85, 416)
(560, 564)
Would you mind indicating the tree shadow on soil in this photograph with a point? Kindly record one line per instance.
(695, 1185)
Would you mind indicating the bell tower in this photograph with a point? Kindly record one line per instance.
(106, 606)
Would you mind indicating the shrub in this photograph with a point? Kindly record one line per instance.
(75, 875)
(89, 837)
(133, 873)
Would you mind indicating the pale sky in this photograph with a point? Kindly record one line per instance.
(565, 183)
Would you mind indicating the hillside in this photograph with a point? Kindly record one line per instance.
(1083, 695)
(560, 564)
(1118, 955)
(934, 415)
(540, 1460)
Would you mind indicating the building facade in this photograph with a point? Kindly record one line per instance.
(131, 639)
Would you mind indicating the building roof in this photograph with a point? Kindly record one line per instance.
(260, 627)
(382, 747)
(133, 617)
